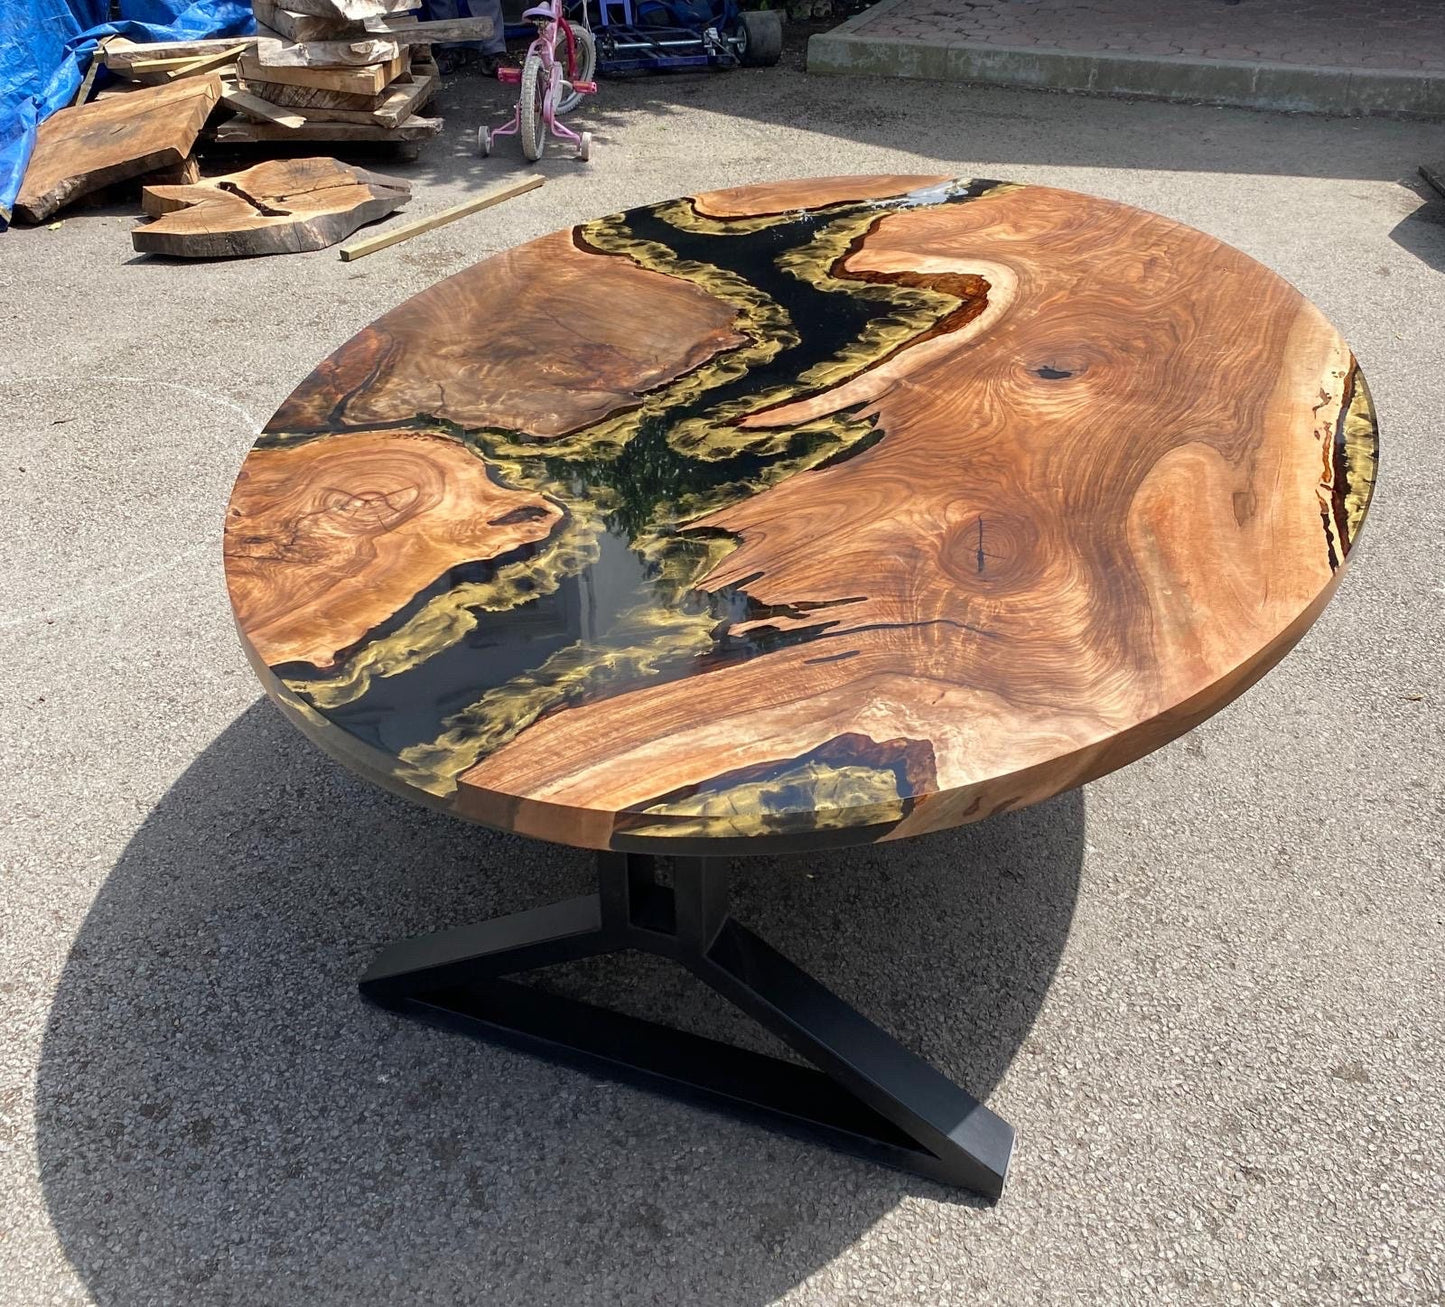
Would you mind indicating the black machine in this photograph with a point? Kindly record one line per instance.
(640, 36)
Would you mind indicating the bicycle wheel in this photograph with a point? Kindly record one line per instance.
(584, 67)
(534, 94)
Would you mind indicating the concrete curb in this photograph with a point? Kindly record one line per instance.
(1292, 88)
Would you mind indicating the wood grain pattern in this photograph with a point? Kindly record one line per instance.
(362, 522)
(936, 498)
(392, 107)
(271, 51)
(540, 363)
(316, 97)
(239, 132)
(88, 146)
(365, 79)
(351, 10)
(295, 26)
(283, 206)
(805, 193)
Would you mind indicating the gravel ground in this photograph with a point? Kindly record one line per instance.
(1207, 990)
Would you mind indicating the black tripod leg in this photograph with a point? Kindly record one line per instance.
(538, 937)
(948, 1134)
(869, 1096)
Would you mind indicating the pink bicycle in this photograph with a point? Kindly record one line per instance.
(554, 77)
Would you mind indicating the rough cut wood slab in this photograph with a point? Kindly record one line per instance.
(294, 26)
(397, 103)
(121, 54)
(185, 173)
(843, 511)
(442, 30)
(160, 71)
(315, 97)
(83, 148)
(371, 79)
(239, 132)
(271, 52)
(283, 206)
(351, 10)
(259, 110)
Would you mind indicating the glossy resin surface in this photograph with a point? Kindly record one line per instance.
(807, 513)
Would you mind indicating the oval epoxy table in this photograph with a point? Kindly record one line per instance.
(785, 517)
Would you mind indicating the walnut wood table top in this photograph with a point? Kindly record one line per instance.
(802, 514)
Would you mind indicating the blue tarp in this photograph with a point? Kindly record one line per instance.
(46, 45)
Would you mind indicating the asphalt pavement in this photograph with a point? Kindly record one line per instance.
(1207, 990)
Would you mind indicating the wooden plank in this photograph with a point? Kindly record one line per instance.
(401, 100)
(97, 61)
(169, 70)
(371, 79)
(353, 10)
(282, 206)
(259, 110)
(447, 29)
(295, 26)
(81, 149)
(239, 132)
(272, 52)
(120, 53)
(360, 249)
(316, 97)
(185, 173)
(406, 98)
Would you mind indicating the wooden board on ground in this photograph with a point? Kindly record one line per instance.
(294, 26)
(360, 249)
(282, 206)
(371, 79)
(83, 148)
(240, 132)
(401, 99)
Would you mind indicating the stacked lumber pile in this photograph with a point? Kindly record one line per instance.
(317, 70)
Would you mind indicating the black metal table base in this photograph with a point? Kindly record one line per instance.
(869, 1096)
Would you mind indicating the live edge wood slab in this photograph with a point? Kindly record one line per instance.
(88, 146)
(802, 514)
(282, 206)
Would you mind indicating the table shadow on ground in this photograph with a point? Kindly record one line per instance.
(221, 1119)
(1422, 232)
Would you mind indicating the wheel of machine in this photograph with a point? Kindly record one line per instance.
(584, 147)
(584, 71)
(484, 141)
(534, 92)
(762, 31)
